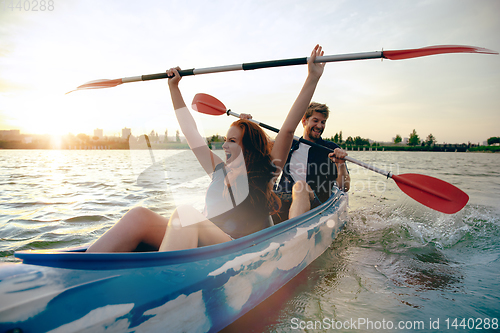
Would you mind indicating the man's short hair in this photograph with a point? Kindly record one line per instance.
(317, 107)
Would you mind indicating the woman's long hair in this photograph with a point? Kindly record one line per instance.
(257, 153)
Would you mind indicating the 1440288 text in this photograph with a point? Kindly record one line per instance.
(27, 5)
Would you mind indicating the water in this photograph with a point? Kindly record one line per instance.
(396, 263)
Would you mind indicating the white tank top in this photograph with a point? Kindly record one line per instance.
(298, 163)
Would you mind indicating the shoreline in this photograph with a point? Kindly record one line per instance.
(117, 145)
(186, 147)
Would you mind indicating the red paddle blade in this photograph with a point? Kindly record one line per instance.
(208, 105)
(98, 84)
(432, 192)
(431, 50)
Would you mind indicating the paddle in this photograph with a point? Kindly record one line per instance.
(429, 191)
(392, 55)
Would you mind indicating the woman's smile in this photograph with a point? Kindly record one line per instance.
(232, 143)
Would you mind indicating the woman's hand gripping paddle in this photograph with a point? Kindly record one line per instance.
(429, 191)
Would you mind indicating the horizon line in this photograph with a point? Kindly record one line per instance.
(217, 134)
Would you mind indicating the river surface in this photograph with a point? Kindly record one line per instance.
(397, 265)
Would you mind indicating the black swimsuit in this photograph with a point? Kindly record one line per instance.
(233, 211)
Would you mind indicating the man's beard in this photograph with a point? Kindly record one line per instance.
(315, 134)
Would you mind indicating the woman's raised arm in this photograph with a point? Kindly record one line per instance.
(196, 142)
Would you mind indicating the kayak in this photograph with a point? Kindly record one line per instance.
(196, 290)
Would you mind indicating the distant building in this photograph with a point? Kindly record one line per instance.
(10, 135)
(99, 133)
(126, 132)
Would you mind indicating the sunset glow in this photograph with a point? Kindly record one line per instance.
(46, 54)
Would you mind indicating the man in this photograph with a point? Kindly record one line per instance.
(310, 172)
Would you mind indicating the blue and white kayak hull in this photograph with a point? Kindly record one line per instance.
(197, 290)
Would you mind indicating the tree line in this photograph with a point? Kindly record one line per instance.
(493, 140)
(350, 141)
(413, 140)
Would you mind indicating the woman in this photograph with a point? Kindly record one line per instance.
(240, 197)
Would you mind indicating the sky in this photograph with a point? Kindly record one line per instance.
(46, 53)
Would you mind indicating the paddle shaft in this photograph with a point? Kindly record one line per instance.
(257, 65)
(314, 144)
(392, 55)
